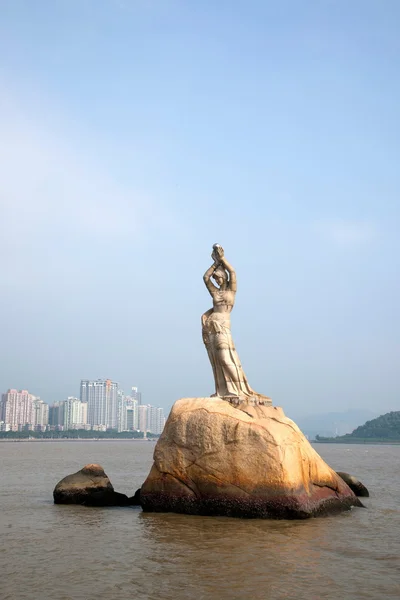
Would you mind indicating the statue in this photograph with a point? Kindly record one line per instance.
(230, 381)
(235, 454)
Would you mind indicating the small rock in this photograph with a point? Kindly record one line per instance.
(354, 484)
(89, 486)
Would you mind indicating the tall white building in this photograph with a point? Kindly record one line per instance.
(84, 413)
(40, 414)
(102, 398)
(136, 395)
(151, 418)
(155, 419)
(121, 411)
(142, 417)
(75, 413)
(131, 413)
(130, 423)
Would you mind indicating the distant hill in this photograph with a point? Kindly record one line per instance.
(332, 424)
(382, 429)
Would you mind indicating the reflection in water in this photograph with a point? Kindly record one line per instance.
(239, 557)
(82, 516)
(74, 552)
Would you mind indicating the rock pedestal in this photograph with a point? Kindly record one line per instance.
(246, 461)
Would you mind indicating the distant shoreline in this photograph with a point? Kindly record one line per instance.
(358, 442)
(12, 440)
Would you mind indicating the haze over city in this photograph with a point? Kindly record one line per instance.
(135, 135)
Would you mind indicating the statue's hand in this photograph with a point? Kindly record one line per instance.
(218, 253)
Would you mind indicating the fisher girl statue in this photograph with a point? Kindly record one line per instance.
(230, 380)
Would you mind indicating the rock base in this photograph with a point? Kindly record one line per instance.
(279, 507)
(246, 461)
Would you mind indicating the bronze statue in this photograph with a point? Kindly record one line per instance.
(230, 381)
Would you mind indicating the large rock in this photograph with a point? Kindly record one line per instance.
(90, 486)
(249, 461)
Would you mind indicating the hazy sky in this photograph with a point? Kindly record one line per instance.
(134, 134)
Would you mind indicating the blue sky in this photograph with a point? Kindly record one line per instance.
(135, 134)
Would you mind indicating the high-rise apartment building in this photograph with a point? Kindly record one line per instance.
(155, 419)
(142, 417)
(40, 414)
(75, 413)
(121, 411)
(102, 399)
(84, 413)
(136, 395)
(20, 409)
(16, 408)
(151, 418)
(132, 413)
(56, 414)
(130, 424)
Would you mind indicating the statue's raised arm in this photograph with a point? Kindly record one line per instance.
(207, 278)
(232, 285)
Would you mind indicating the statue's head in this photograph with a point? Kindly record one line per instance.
(220, 276)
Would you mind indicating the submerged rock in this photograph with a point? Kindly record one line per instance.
(247, 461)
(89, 486)
(354, 484)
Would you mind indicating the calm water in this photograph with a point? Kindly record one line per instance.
(78, 553)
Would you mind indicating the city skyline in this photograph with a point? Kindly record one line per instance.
(102, 406)
(134, 391)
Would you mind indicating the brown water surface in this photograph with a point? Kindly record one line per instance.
(75, 553)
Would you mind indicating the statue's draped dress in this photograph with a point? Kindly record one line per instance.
(229, 376)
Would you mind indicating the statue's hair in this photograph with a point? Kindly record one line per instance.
(220, 272)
